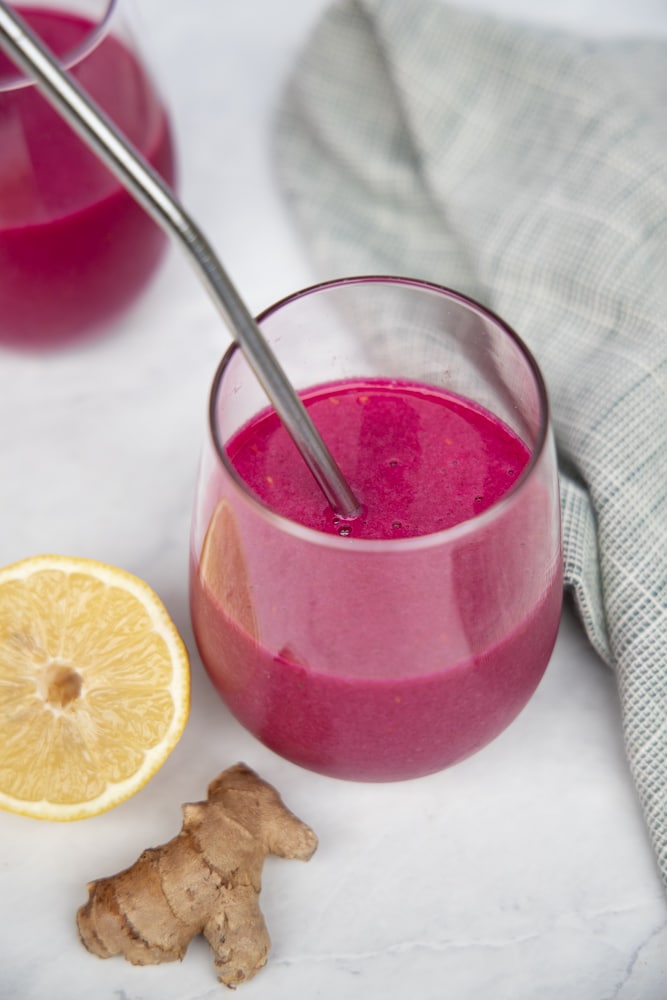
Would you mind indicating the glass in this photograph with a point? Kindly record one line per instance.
(75, 248)
(381, 658)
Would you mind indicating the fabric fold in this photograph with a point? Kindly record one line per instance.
(527, 169)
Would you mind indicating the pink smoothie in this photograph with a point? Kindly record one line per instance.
(74, 246)
(395, 672)
(420, 460)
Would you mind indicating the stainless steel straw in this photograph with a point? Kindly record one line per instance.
(27, 51)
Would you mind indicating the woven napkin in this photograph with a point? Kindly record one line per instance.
(526, 168)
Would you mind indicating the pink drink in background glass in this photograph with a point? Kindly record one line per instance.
(75, 248)
(401, 642)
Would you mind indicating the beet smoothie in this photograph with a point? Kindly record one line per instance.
(390, 663)
(75, 248)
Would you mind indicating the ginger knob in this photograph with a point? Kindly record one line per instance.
(206, 881)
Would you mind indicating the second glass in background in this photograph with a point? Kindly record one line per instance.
(75, 248)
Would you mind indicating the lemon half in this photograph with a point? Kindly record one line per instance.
(94, 686)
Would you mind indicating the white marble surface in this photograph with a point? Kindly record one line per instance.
(525, 872)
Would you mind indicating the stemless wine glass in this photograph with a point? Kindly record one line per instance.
(381, 658)
(75, 248)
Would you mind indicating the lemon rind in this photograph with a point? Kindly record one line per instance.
(116, 792)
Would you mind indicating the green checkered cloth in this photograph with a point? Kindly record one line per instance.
(526, 168)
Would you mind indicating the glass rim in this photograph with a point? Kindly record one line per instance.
(75, 55)
(469, 526)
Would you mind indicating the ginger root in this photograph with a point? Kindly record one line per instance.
(206, 880)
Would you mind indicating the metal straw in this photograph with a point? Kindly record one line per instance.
(27, 51)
